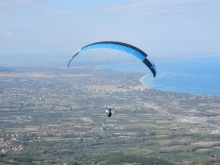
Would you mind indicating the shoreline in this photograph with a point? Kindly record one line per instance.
(141, 80)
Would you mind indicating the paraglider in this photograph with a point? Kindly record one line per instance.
(109, 111)
(130, 49)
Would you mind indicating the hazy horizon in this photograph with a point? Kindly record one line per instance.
(156, 27)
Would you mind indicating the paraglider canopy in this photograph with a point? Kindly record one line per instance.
(130, 49)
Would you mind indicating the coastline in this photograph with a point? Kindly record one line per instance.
(141, 80)
(175, 75)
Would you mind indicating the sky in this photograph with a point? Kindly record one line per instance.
(155, 26)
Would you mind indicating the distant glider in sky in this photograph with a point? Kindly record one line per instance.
(130, 49)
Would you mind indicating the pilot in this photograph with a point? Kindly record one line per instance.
(109, 111)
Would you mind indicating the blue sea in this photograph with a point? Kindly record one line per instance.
(194, 75)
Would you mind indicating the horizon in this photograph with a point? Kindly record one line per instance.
(156, 27)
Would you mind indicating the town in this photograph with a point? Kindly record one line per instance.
(59, 113)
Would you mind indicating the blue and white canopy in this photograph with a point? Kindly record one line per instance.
(121, 47)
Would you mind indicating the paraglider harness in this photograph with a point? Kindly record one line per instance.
(109, 111)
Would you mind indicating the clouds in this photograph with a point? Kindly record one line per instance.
(13, 3)
(58, 14)
(14, 7)
(166, 7)
(48, 26)
(9, 34)
(32, 8)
